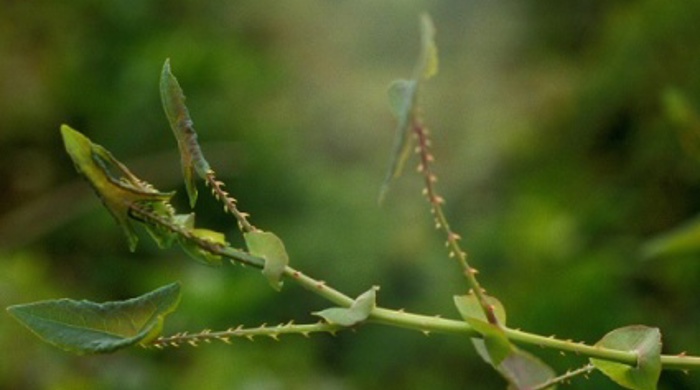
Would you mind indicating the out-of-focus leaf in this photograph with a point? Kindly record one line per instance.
(116, 186)
(684, 239)
(191, 156)
(403, 97)
(356, 313)
(268, 246)
(428, 63)
(646, 343)
(402, 94)
(88, 327)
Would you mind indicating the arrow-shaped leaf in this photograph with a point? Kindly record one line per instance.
(356, 313)
(646, 343)
(88, 327)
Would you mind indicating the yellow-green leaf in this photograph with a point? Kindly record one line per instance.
(268, 246)
(356, 313)
(116, 186)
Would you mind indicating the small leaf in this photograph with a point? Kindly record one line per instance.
(191, 156)
(646, 343)
(469, 307)
(88, 327)
(116, 186)
(199, 254)
(356, 313)
(271, 248)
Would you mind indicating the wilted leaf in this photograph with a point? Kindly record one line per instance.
(116, 186)
(191, 156)
(268, 246)
(88, 327)
(646, 343)
(356, 313)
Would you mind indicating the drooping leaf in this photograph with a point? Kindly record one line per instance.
(268, 246)
(356, 313)
(88, 327)
(646, 343)
(115, 185)
(403, 98)
(191, 156)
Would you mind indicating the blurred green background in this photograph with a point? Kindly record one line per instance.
(554, 151)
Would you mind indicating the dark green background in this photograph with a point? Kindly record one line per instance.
(554, 153)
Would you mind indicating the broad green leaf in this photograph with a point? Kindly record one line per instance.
(356, 313)
(88, 327)
(646, 343)
(684, 239)
(117, 187)
(268, 246)
(524, 371)
(191, 156)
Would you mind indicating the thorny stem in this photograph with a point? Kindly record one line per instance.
(422, 323)
(217, 188)
(225, 336)
(436, 202)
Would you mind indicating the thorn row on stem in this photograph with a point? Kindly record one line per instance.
(230, 203)
(272, 332)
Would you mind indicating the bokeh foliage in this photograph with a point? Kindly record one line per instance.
(556, 157)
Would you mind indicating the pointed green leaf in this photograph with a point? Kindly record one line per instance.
(88, 327)
(646, 343)
(116, 186)
(356, 313)
(191, 156)
(268, 246)
(524, 371)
